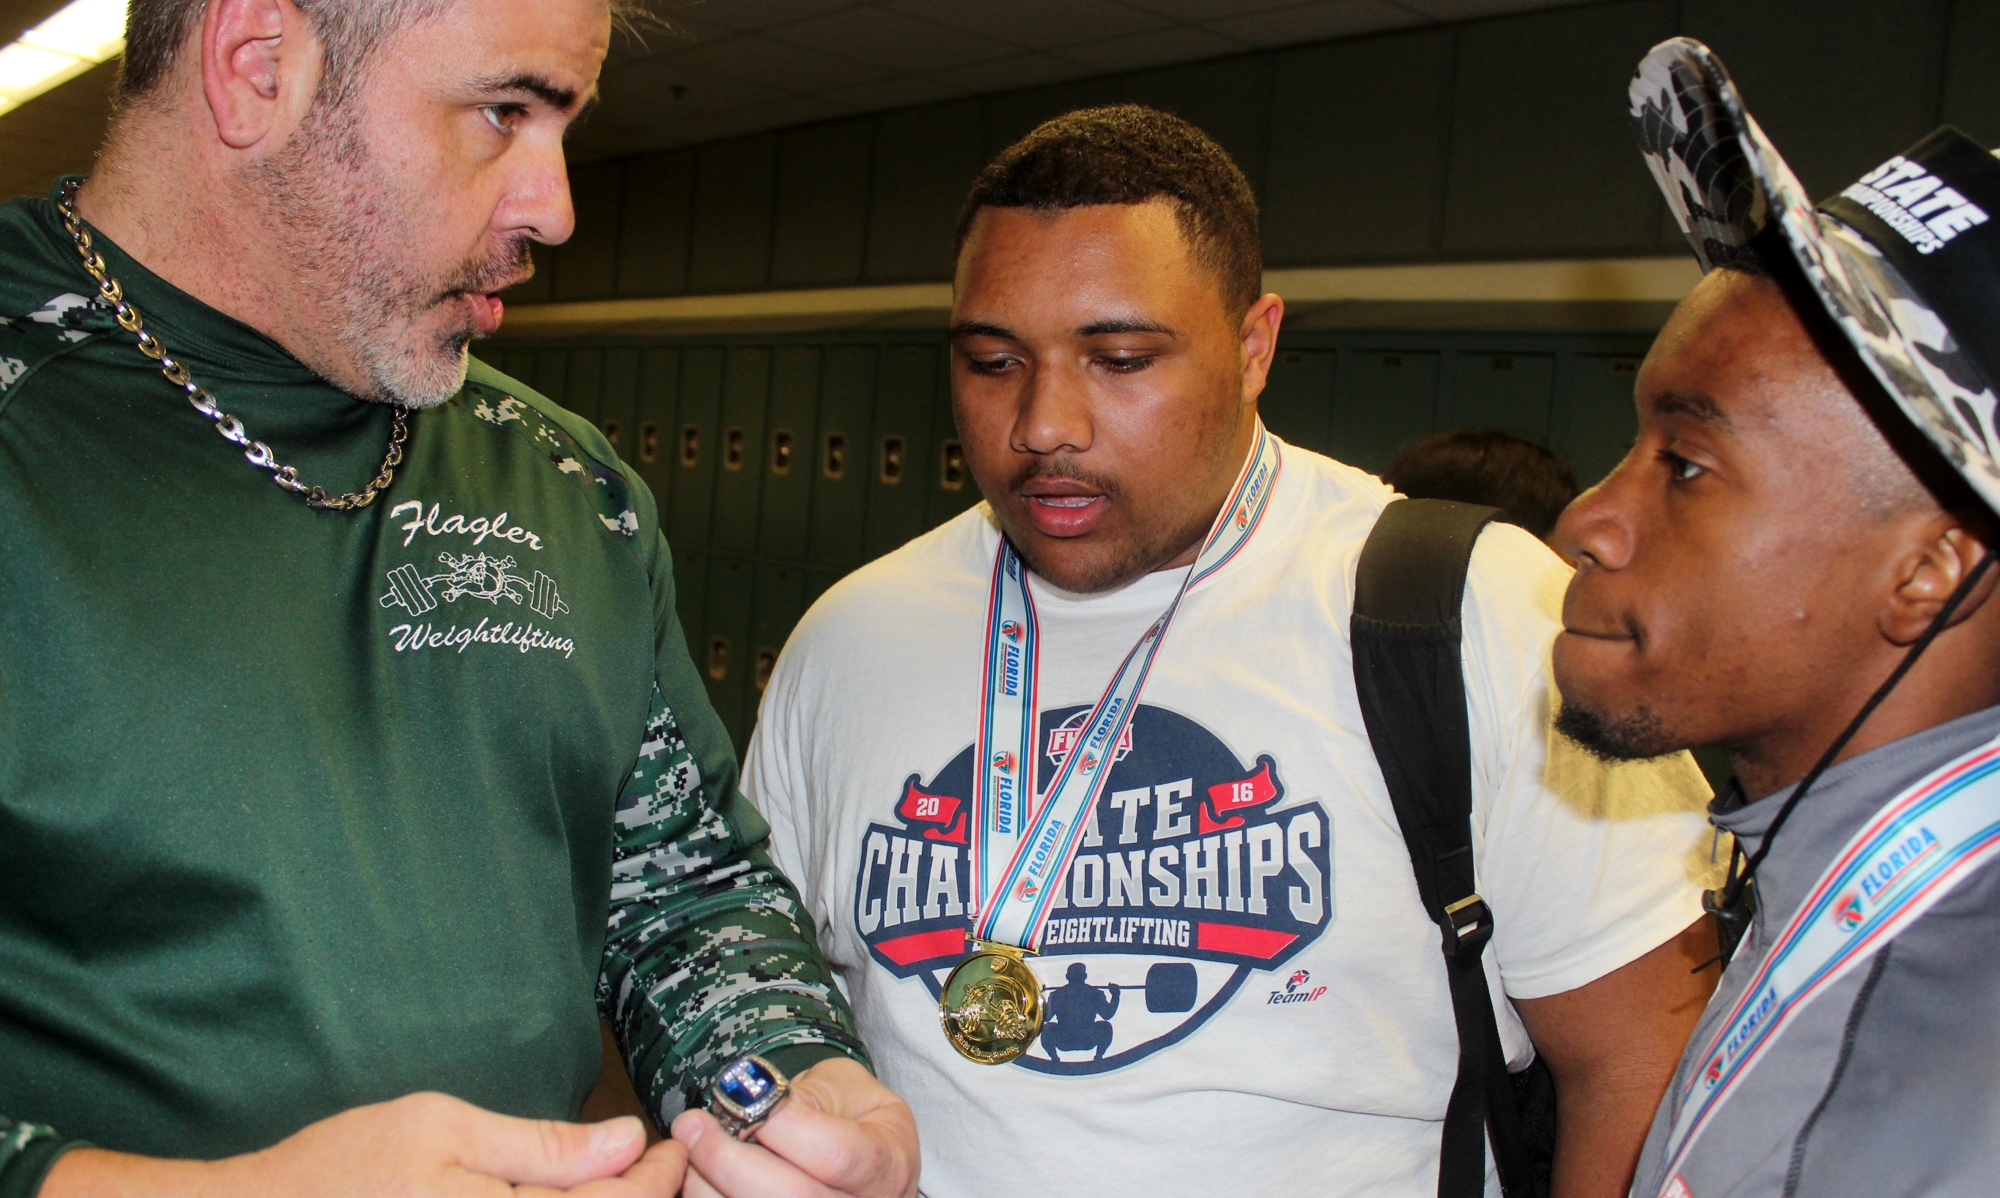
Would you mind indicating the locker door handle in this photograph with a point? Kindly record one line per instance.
(951, 474)
(732, 449)
(781, 452)
(767, 661)
(892, 460)
(691, 446)
(611, 430)
(835, 466)
(649, 443)
(718, 658)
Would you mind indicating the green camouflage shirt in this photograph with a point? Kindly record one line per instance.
(301, 810)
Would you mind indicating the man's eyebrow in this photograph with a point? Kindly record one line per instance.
(538, 86)
(1699, 408)
(1129, 325)
(979, 328)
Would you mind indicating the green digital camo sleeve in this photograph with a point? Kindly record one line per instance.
(26, 1152)
(709, 953)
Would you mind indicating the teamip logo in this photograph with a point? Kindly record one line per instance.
(1193, 877)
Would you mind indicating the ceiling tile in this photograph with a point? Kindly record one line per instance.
(1316, 22)
(793, 110)
(1155, 47)
(760, 60)
(1021, 70)
(1208, 10)
(1459, 10)
(892, 93)
(644, 91)
(889, 39)
(748, 14)
(1041, 24)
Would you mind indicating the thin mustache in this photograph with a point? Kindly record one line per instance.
(508, 267)
(1063, 469)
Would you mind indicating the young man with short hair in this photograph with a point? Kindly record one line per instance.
(1240, 990)
(1787, 567)
(392, 777)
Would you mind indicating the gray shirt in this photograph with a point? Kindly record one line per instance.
(1889, 1082)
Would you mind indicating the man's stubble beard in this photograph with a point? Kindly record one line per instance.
(340, 218)
(1636, 736)
(1118, 565)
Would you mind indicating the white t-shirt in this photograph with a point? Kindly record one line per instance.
(1280, 1021)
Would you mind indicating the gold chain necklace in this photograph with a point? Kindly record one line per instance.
(256, 452)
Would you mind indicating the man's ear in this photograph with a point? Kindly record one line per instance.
(1259, 334)
(259, 66)
(1930, 575)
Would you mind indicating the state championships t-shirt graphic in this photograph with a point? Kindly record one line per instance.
(1187, 884)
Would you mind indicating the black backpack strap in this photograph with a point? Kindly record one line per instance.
(1408, 592)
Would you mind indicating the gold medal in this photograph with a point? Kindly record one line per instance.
(991, 1007)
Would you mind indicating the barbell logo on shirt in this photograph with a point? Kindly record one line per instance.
(475, 576)
(1188, 882)
(472, 576)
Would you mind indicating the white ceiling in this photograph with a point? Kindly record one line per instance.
(736, 66)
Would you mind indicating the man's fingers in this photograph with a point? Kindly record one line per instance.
(735, 1169)
(658, 1174)
(540, 1151)
(851, 1157)
(696, 1186)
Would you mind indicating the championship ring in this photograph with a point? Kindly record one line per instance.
(744, 1095)
(991, 1007)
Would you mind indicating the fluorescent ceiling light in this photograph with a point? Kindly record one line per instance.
(59, 49)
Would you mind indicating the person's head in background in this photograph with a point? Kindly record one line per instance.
(1528, 483)
(1109, 341)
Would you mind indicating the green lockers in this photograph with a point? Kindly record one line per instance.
(549, 373)
(691, 596)
(724, 659)
(694, 446)
(949, 484)
(840, 472)
(498, 359)
(746, 388)
(780, 601)
(618, 399)
(584, 388)
(653, 429)
(1501, 389)
(899, 446)
(1594, 421)
(818, 582)
(787, 456)
(1383, 399)
(1297, 403)
(782, 463)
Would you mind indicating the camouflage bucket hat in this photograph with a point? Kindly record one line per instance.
(1905, 260)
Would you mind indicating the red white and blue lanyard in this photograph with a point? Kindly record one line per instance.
(1916, 850)
(1020, 850)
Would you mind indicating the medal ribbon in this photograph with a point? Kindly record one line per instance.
(1020, 850)
(1916, 850)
